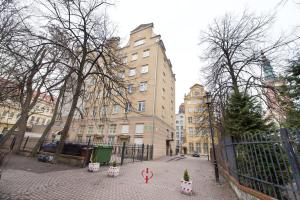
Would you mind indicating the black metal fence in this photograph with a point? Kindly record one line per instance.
(266, 162)
(121, 153)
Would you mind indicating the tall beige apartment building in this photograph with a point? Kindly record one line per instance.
(151, 87)
(197, 133)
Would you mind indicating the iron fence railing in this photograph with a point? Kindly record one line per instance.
(266, 162)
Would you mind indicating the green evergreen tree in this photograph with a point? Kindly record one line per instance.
(243, 114)
(292, 90)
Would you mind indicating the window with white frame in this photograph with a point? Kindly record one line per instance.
(90, 130)
(103, 110)
(130, 88)
(139, 128)
(125, 129)
(146, 53)
(100, 129)
(143, 86)
(121, 75)
(191, 131)
(131, 72)
(141, 106)
(116, 109)
(112, 129)
(190, 110)
(128, 107)
(138, 141)
(111, 140)
(134, 57)
(144, 69)
(81, 130)
(139, 42)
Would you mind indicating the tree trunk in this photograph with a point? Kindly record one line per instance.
(20, 134)
(49, 126)
(69, 118)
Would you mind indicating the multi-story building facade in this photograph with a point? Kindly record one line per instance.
(179, 130)
(41, 114)
(150, 116)
(196, 132)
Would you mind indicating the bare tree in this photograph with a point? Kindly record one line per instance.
(233, 49)
(91, 48)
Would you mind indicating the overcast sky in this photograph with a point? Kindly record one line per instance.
(181, 22)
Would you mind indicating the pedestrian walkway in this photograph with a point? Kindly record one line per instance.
(82, 185)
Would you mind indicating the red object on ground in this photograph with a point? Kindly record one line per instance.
(147, 174)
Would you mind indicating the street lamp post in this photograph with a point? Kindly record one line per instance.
(208, 102)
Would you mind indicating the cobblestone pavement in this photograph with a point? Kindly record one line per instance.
(80, 184)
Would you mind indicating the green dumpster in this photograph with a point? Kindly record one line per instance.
(102, 154)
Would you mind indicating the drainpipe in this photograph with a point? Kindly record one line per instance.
(154, 97)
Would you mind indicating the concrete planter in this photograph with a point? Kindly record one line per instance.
(186, 187)
(113, 171)
(94, 167)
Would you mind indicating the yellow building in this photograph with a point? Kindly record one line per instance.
(151, 87)
(197, 133)
(40, 115)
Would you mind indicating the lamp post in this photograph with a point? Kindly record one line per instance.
(208, 102)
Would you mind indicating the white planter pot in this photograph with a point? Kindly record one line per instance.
(186, 187)
(113, 171)
(94, 167)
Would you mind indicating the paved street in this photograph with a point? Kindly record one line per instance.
(69, 183)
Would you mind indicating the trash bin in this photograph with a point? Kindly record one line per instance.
(102, 154)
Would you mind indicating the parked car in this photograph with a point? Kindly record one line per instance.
(196, 154)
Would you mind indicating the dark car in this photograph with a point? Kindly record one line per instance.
(196, 154)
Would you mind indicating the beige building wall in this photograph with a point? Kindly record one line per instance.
(197, 133)
(41, 114)
(155, 124)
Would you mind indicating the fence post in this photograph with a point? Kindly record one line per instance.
(12, 144)
(230, 152)
(147, 151)
(25, 142)
(123, 153)
(133, 152)
(143, 148)
(291, 155)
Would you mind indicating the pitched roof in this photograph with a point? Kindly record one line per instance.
(141, 27)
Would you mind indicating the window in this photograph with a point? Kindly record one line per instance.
(11, 115)
(141, 106)
(130, 88)
(121, 75)
(139, 42)
(146, 53)
(139, 128)
(100, 129)
(87, 112)
(128, 107)
(88, 138)
(37, 120)
(143, 86)
(111, 140)
(43, 122)
(112, 129)
(90, 130)
(190, 110)
(79, 138)
(4, 113)
(81, 130)
(138, 141)
(190, 119)
(134, 57)
(198, 149)
(125, 129)
(177, 121)
(116, 109)
(32, 119)
(131, 72)
(177, 128)
(191, 147)
(103, 110)
(205, 148)
(144, 69)
(95, 111)
(191, 131)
